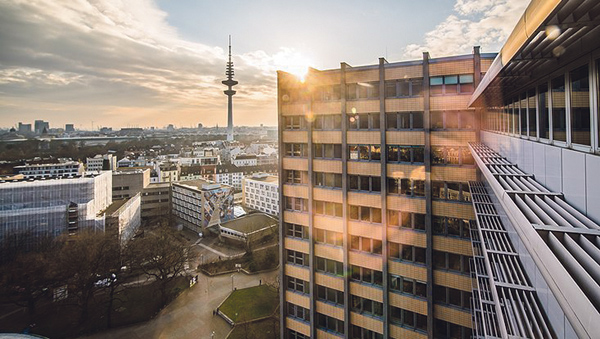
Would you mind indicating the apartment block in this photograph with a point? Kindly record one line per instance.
(261, 192)
(48, 170)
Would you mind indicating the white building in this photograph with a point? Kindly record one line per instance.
(106, 162)
(261, 192)
(245, 160)
(65, 169)
(125, 217)
(54, 206)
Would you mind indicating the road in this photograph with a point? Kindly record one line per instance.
(190, 315)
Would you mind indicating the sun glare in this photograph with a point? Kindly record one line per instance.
(296, 65)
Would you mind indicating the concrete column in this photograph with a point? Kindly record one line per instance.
(384, 250)
(346, 240)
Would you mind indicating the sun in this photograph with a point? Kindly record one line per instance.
(296, 64)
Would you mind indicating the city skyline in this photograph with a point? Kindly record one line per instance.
(156, 63)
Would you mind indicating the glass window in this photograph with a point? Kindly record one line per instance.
(403, 88)
(559, 113)
(391, 121)
(580, 106)
(417, 122)
(532, 113)
(543, 106)
(523, 113)
(451, 84)
(390, 89)
(417, 87)
(392, 153)
(437, 120)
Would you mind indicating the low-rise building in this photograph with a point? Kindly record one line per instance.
(249, 230)
(128, 182)
(244, 160)
(101, 162)
(48, 170)
(124, 216)
(261, 192)
(199, 204)
(156, 200)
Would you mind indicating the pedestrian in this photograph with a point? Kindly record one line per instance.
(259, 282)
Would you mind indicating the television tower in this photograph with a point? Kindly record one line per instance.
(229, 92)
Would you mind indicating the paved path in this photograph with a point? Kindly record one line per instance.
(190, 315)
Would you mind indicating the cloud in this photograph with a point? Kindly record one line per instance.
(77, 61)
(485, 23)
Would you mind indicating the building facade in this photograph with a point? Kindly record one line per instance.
(447, 198)
(106, 162)
(261, 192)
(65, 169)
(53, 206)
(127, 182)
(200, 204)
(156, 200)
(245, 160)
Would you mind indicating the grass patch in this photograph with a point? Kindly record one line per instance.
(250, 303)
(260, 260)
(267, 328)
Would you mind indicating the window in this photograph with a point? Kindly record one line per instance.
(328, 180)
(406, 220)
(296, 150)
(329, 266)
(406, 252)
(330, 295)
(363, 121)
(543, 106)
(366, 275)
(408, 319)
(404, 88)
(405, 186)
(580, 106)
(450, 191)
(365, 213)
(452, 296)
(451, 262)
(410, 286)
(451, 84)
(445, 329)
(328, 237)
(451, 226)
(358, 332)
(330, 324)
(296, 204)
(452, 120)
(532, 113)
(328, 208)
(452, 155)
(296, 335)
(297, 258)
(298, 312)
(328, 122)
(296, 122)
(559, 113)
(297, 285)
(364, 183)
(327, 93)
(296, 177)
(296, 231)
(404, 120)
(366, 306)
(364, 152)
(327, 151)
(365, 244)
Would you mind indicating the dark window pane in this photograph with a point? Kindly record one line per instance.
(559, 115)
(543, 106)
(580, 106)
(417, 120)
(391, 121)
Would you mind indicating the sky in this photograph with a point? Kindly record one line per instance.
(142, 63)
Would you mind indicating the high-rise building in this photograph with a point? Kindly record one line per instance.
(40, 126)
(450, 197)
(24, 128)
(69, 128)
(230, 93)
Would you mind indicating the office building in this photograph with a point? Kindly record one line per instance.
(450, 197)
(123, 217)
(156, 200)
(49, 170)
(49, 207)
(41, 126)
(24, 128)
(199, 204)
(69, 128)
(260, 191)
(127, 182)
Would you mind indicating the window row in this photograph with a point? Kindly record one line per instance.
(454, 191)
(406, 186)
(451, 262)
(452, 296)
(296, 204)
(409, 319)
(331, 209)
(297, 258)
(364, 183)
(291, 334)
(295, 122)
(330, 295)
(358, 332)
(404, 120)
(451, 84)
(366, 306)
(403, 88)
(415, 221)
(365, 213)
(297, 285)
(328, 122)
(451, 156)
(327, 93)
(327, 151)
(445, 329)
(365, 244)
(364, 152)
(408, 286)
(296, 231)
(542, 111)
(296, 150)
(329, 180)
(407, 252)
(452, 120)
(330, 324)
(366, 275)
(328, 237)
(451, 226)
(298, 312)
(330, 266)
(407, 154)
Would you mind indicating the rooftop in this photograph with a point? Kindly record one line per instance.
(264, 177)
(250, 222)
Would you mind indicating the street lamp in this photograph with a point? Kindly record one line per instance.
(232, 281)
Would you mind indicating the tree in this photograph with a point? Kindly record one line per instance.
(162, 256)
(85, 260)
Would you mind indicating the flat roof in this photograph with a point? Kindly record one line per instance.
(264, 178)
(250, 222)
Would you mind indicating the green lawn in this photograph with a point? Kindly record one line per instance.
(267, 328)
(250, 303)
